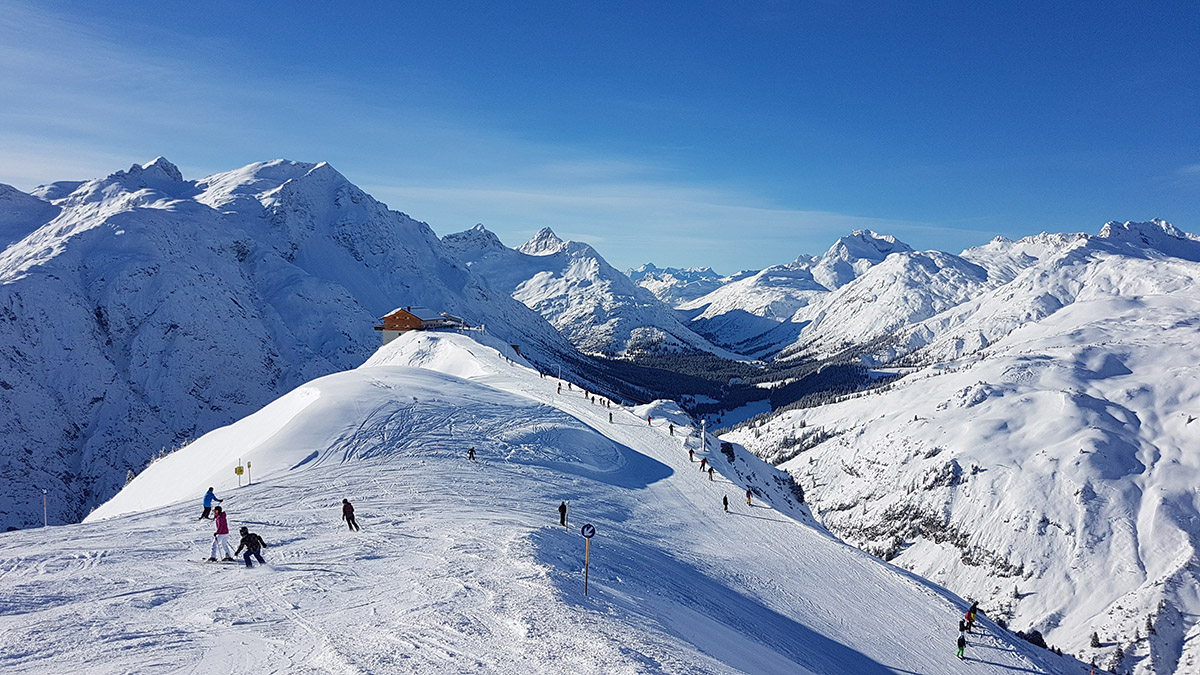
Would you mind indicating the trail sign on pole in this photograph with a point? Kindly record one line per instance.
(239, 470)
(588, 531)
(249, 480)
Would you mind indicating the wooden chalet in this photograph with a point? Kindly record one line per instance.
(403, 319)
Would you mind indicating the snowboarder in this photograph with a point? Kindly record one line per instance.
(209, 498)
(562, 514)
(471, 454)
(253, 545)
(703, 463)
(221, 536)
(725, 500)
(671, 428)
(962, 644)
(710, 473)
(348, 515)
(748, 498)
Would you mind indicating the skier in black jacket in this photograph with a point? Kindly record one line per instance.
(253, 545)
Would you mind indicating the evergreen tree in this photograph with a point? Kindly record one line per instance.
(1117, 657)
(130, 476)
(1149, 626)
(1095, 639)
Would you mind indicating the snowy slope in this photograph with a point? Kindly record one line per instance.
(140, 310)
(1056, 464)
(599, 309)
(461, 566)
(740, 313)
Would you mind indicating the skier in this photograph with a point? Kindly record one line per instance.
(471, 454)
(221, 536)
(703, 463)
(691, 455)
(710, 473)
(348, 515)
(748, 498)
(962, 644)
(209, 498)
(560, 387)
(562, 514)
(971, 611)
(725, 500)
(962, 626)
(649, 421)
(253, 545)
(671, 428)
(610, 417)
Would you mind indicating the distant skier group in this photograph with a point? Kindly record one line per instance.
(252, 543)
(964, 626)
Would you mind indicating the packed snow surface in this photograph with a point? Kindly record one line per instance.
(462, 566)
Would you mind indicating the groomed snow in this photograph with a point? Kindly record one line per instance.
(461, 566)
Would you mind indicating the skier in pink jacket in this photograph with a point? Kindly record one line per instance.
(221, 536)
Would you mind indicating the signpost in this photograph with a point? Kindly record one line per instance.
(249, 480)
(45, 520)
(588, 531)
(239, 470)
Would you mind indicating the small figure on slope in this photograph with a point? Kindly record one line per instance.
(209, 498)
(691, 455)
(471, 454)
(221, 536)
(671, 428)
(703, 463)
(348, 515)
(748, 493)
(962, 644)
(253, 545)
(725, 500)
(562, 514)
(971, 611)
(710, 471)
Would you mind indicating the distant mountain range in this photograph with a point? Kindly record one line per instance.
(599, 309)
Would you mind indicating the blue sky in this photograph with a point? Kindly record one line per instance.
(729, 134)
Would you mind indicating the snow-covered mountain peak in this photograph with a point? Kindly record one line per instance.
(1157, 234)
(473, 241)
(545, 242)
(155, 171)
(866, 244)
(850, 256)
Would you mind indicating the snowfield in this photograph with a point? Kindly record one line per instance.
(461, 566)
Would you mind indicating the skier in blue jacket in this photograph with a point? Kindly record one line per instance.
(209, 498)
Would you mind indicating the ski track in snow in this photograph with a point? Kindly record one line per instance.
(462, 567)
